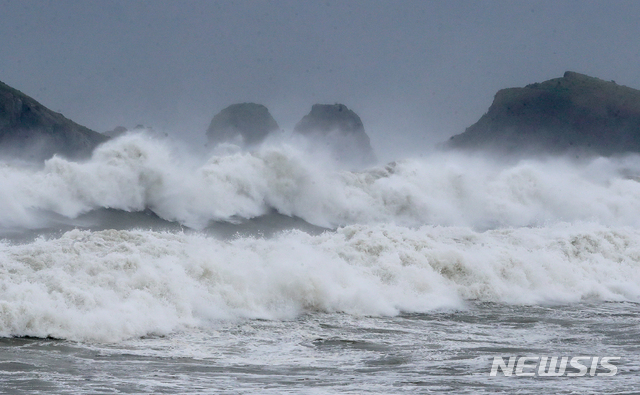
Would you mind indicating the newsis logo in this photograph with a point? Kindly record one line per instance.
(555, 366)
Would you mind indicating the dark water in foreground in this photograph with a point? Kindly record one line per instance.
(337, 353)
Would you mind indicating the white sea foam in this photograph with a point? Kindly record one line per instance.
(110, 285)
(137, 172)
(413, 236)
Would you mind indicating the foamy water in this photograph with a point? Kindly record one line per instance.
(422, 261)
(112, 285)
(137, 172)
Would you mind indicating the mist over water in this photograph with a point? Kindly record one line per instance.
(158, 266)
(193, 270)
(138, 172)
(412, 235)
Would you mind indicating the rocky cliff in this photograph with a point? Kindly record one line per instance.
(243, 123)
(340, 129)
(29, 130)
(572, 113)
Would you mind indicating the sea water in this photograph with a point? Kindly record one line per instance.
(143, 270)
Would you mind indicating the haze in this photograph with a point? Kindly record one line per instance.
(416, 72)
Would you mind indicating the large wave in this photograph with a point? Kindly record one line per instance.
(137, 172)
(410, 236)
(110, 285)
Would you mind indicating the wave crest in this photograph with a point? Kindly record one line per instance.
(111, 285)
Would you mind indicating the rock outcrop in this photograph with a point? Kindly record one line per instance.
(30, 131)
(341, 130)
(245, 124)
(573, 113)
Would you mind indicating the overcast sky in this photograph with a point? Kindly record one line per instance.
(415, 71)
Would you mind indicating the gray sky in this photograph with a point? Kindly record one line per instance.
(415, 71)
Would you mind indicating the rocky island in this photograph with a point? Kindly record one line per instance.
(341, 130)
(30, 131)
(572, 114)
(245, 124)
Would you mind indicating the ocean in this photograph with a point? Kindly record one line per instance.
(150, 269)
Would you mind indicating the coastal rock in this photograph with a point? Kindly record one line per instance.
(243, 123)
(341, 130)
(30, 131)
(575, 113)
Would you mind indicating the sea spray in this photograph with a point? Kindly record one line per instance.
(111, 285)
(137, 172)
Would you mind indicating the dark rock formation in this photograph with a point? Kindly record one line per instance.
(575, 113)
(341, 130)
(29, 130)
(243, 123)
